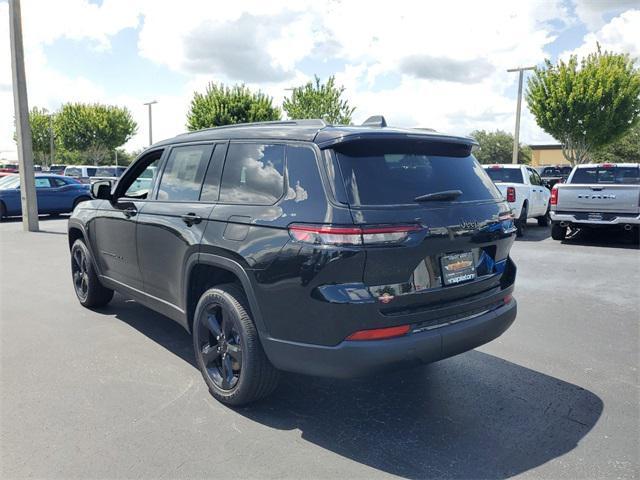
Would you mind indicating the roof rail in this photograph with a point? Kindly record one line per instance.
(375, 121)
(311, 122)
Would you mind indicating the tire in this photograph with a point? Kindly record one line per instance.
(90, 292)
(521, 223)
(222, 324)
(544, 220)
(79, 200)
(558, 232)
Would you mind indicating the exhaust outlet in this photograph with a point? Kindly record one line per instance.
(628, 227)
(564, 224)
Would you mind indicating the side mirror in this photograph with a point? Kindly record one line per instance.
(101, 190)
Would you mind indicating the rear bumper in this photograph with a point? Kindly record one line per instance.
(571, 219)
(359, 358)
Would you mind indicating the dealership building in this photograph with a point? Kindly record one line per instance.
(550, 154)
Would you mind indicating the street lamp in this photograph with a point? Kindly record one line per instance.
(150, 121)
(516, 137)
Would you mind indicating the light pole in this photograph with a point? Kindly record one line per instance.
(148, 104)
(28, 198)
(51, 145)
(516, 137)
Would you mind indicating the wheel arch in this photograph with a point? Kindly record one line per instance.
(206, 270)
(76, 233)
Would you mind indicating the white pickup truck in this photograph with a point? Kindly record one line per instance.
(594, 196)
(525, 191)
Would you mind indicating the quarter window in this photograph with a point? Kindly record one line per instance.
(42, 183)
(182, 177)
(253, 174)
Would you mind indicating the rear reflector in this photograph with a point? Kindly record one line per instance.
(511, 194)
(554, 196)
(508, 298)
(337, 235)
(380, 333)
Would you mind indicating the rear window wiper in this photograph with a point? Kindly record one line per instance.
(435, 196)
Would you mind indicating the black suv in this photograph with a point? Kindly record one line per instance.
(303, 247)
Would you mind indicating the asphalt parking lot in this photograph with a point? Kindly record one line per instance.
(114, 393)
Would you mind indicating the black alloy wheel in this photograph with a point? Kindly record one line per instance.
(220, 346)
(90, 292)
(228, 350)
(80, 272)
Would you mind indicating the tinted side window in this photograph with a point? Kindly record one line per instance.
(304, 185)
(56, 182)
(253, 174)
(533, 179)
(182, 176)
(42, 182)
(211, 187)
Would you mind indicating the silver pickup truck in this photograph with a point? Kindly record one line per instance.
(597, 196)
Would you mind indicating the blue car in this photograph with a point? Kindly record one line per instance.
(56, 194)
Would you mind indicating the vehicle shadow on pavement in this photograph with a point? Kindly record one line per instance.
(604, 238)
(535, 233)
(471, 416)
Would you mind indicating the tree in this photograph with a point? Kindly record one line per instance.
(319, 101)
(221, 105)
(95, 129)
(587, 105)
(41, 126)
(625, 149)
(497, 147)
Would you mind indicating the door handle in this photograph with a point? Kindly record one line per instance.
(191, 218)
(130, 212)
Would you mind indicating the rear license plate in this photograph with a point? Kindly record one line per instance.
(458, 268)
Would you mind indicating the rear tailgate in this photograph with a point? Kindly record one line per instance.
(598, 198)
(462, 245)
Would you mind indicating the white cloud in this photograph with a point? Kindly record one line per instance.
(592, 12)
(620, 35)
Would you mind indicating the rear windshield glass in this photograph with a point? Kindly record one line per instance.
(555, 171)
(613, 175)
(395, 173)
(506, 175)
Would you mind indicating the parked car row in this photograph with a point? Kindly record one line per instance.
(55, 194)
(587, 196)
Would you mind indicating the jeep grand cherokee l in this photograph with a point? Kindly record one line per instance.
(303, 247)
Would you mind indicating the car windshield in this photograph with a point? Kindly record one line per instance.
(555, 171)
(106, 172)
(608, 174)
(395, 173)
(9, 182)
(505, 175)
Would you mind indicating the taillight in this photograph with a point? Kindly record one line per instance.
(337, 235)
(554, 195)
(380, 333)
(511, 194)
(608, 165)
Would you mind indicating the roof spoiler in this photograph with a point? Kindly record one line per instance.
(375, 121)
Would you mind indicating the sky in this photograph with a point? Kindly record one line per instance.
(436, 64)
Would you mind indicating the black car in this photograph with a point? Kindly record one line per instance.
(304, 247)
(553, 175)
